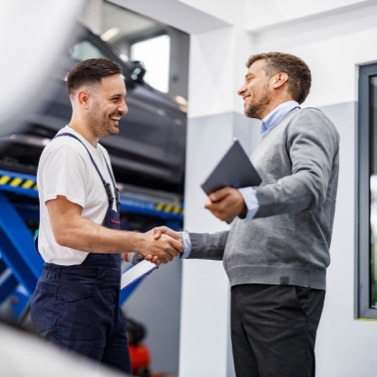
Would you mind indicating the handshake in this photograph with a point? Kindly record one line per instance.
(159, 245)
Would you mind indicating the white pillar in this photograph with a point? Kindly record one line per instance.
(216, 60)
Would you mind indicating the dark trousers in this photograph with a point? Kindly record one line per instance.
(77, 307)
(273, 330)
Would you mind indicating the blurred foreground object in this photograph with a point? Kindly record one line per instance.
(42, 359)
(149, 151)
(32, 36)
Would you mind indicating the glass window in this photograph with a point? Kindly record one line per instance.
(367, 192)
(155, 54)
(86, 50)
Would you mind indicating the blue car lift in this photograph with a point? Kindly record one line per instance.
(20, 264)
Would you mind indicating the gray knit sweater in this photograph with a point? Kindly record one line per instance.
(288, 240)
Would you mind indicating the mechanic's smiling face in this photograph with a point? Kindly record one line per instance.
(107, 106)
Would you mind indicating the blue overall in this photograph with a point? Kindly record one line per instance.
(77, 306)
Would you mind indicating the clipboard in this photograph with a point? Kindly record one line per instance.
(136, 272)
(234, 170)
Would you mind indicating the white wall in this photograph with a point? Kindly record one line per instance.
(345, 346)
(332, 45)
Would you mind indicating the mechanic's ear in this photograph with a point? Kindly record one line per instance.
(83, 98)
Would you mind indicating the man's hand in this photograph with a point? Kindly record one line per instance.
(226, 203)
(168, 231)
(164, 245)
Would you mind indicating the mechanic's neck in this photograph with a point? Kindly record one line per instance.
(84, 132)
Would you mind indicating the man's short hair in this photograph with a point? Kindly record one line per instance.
(91, 71)
(299, 75)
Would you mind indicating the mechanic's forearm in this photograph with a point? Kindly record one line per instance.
(95, 238)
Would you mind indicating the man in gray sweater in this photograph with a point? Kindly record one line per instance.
(277, 249)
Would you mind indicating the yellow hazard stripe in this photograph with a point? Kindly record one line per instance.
(169, 208)
(18, 182)
(28, 184)
(15, 182)
(4, 179)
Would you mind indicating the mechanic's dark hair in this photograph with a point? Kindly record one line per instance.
(299, 76)
(91, 71)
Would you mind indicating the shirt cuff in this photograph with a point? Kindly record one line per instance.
(186, 244)
(249, 196)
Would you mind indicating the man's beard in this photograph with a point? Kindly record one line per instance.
(258, 109)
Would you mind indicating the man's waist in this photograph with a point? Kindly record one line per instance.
(277, 275)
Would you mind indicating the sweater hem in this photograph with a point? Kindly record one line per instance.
(277, 275)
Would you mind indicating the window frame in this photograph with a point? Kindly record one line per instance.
(363, 194)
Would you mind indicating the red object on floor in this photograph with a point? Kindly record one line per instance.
(140, 357)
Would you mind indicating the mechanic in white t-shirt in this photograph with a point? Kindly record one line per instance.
(76, 301)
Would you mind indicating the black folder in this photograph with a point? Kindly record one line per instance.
(234, 170)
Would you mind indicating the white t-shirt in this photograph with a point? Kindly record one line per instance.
(65, 169)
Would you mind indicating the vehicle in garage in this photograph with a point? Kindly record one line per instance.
(149, 152)
(148, 158)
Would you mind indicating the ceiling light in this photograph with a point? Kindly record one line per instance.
(107, 35)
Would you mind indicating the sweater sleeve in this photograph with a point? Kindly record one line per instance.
(306, 155)
(208, 246)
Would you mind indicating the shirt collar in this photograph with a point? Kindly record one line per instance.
(276, 115)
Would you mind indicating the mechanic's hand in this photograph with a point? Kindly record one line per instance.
(170, 232)
(162, 247)
(226, 203)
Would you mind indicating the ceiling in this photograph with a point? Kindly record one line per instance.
(127, 22)
(196, 16)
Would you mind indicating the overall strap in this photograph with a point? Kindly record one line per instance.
(105, 184)
(117, 195)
